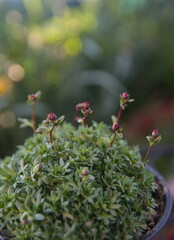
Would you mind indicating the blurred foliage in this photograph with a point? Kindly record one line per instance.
(85, 50)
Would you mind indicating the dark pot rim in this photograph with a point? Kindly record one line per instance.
(168, 207)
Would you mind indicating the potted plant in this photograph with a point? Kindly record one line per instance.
(80, 183)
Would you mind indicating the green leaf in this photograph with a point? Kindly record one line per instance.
(19, 206)
(39, 217)
(25, 122)
(91, 177)
(115, 206)
(114, 119)
(70, 231)
(41, 129)
(60, 120)
(49, 129)
(38, 95)
(45, 179)
(1, 204)
(10, 191)
(37, 160)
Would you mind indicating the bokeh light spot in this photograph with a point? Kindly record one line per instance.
(73, 46)
(16, 72)
(7, 119)
(13, 16)
(5, 85)
(35, 40)
(18, 31)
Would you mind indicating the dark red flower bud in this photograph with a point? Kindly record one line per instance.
(38, 168)
(52, 117)
(32, 97)
(24, 221)
(86, 105)
(79, 106)
(155, 133)
(85, 172)
(115, 127)
(125, 95)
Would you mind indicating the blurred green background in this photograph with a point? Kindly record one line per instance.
(89, 50)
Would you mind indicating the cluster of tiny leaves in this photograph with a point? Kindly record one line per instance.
(51, 201)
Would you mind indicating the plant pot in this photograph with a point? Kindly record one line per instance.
(167, 210)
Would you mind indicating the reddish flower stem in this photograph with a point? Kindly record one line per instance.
(74, 119)
(111, 143)
(33, 118)
(148, 152)
(84, 121)
(119, 114)
(51, 135)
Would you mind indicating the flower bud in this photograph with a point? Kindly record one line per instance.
(85, 172)
(86, 105)
(125, 96)
(154, 138)
(24, 220)
(38, 168)
(32, 97)
(155, 133)
(115, 127)
(52, 117)
(79, 106)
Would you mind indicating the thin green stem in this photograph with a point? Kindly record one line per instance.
(33, 118)
(148, 152)
(83, 179)
(111, 143)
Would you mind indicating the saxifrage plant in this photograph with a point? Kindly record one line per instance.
(79, 183)
(32, 99)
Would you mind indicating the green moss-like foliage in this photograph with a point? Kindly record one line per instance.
(43, 196)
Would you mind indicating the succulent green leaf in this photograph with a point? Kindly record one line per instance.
(25, 122)
(39, 217)
(158, 139)
(29, 102)
(60, 120)
(1, 204)
(41, 129)
(38, 95)
(114, 119)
